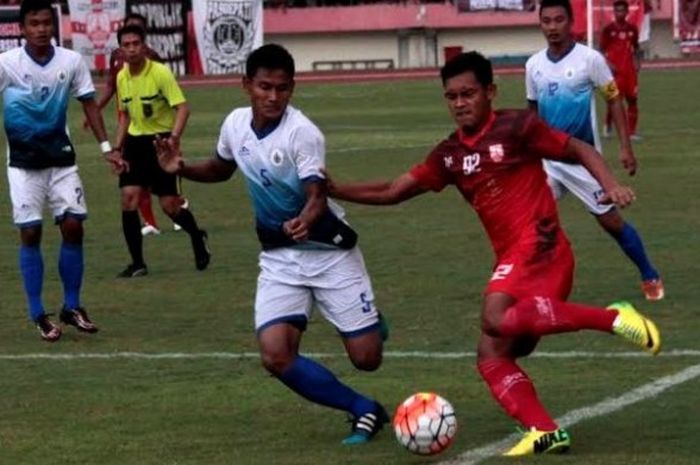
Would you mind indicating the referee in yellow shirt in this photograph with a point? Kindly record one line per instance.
(151, 105)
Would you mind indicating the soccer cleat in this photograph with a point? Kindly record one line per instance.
(541, 442)
(635, 137)
(366, 426)
(607, 133)
(653, 289)
(48, 330)
(78, 317)
(202, 256)
(149, 230)
(635, 327)
(133, 271)
(177, 227)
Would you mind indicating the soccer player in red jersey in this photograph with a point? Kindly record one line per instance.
(619, 42)
(494, 158)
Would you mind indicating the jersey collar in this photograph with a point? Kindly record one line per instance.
(563, 55)
(144, 71)
(43, 62)
(267, 130)
(473, 139)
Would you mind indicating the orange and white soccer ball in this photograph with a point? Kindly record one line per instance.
(425, 423)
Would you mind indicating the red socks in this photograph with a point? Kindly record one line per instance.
(145, 208)
(539, 316)
(514, 391)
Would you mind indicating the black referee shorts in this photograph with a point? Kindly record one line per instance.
(144, 169)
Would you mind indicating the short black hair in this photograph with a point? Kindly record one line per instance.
(470, 61)
(621, 3)
(138, 17)
(270, 56)
(566, 4)
(132, 29)
(33, 6)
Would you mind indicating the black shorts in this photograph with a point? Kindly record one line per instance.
(144, 169)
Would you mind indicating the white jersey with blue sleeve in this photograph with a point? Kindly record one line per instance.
(277, 165)
(563, 88)
(36, 102)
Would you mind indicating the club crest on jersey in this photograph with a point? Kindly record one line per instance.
(496, 152)
(61, 75)
(277, 157)
(448, 161)
(569, 73)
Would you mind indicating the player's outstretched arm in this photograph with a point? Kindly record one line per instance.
(392, 192)
(171, 160)
(615, 193)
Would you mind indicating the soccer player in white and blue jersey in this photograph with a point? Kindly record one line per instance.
(309, 253)
(36, 81)
(560, 85)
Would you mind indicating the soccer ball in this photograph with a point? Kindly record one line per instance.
(425, 423)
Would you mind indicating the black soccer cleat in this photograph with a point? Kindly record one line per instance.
(366, 426)
(202, 256)
(133, 271)
(78, 317)
(48, 330)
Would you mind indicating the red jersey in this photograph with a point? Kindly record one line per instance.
(619, 43)
(499, 172)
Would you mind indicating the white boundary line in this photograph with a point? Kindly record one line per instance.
(388, 354)
(605, 407)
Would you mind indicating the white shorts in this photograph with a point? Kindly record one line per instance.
(30, 190)
(291, 281)
(575, 178)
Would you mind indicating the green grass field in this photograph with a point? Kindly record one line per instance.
(429, 261)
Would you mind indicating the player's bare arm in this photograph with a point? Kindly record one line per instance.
(182, 113)
(109, 91)
(378, 192)
(172, 161)
(586, 155)
(119, 165)
(617, 110)
(93, 115)
(316, 203)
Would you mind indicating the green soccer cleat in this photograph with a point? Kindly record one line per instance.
(366, 426)
(635, 327)
(541, 442)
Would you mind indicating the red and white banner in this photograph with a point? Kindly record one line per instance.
(602, 16)
(94, 25)
(686, 25)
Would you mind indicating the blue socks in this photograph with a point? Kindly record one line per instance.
(632, 245)
(316, 383)
(70, 267)
(31, 265)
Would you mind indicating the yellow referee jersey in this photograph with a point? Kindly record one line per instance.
(148, 98)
